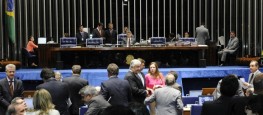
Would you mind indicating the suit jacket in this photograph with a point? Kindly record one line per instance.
(217, 107)
(250, 81)
(237, 106)
(116, 91)
(5, 96)
(82, 39)
(202, 35)
(96, 105)
(96, 33)
(75, 83)
(168, 101)
(232, 45)
(111, 37)
(59, 93)
(138, 89)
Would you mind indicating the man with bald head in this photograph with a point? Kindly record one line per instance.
(168, 99)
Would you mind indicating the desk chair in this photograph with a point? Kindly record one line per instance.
(27, 57)
(83, 110)
(196, 110)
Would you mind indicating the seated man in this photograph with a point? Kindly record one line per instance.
(81, 36)
(231, 47)
(130, 39)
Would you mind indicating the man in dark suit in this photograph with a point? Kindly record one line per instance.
(57, 89)
(10, 87)
(220, 106)
(238, 104)
(111, 35)
(115, 90)
(81, 36)
(98, 32)
(75, 83)
(136, 82)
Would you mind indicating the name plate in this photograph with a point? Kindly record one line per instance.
(68, 42)
(94, 41)
(187, 39)
(158, 40)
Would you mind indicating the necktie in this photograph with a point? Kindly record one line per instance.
(11, 87)
(140, 75)
(251, 79)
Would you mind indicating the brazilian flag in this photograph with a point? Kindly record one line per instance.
(10, 20)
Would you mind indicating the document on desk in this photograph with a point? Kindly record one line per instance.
(202, 45)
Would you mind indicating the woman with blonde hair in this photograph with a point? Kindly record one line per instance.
(42, 103)
(153, 80)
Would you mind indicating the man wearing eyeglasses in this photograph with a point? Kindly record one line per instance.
(17, 107)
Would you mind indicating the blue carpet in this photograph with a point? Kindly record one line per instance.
(96, 76)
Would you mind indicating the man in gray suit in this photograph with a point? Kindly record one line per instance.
(168, 99)
(231, 47)
(253, 66)
(202, 34)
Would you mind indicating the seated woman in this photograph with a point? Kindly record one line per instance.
(42, 103)
(30, 48)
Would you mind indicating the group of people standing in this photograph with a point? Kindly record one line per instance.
(109, 36)
(66, 96)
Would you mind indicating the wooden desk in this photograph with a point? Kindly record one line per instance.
(45, 55)
(147, 53)
(186, 111)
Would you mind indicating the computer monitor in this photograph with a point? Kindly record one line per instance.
(42, 40)
(29, 102)
(203, 98)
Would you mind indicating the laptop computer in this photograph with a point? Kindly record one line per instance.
(29, 102)
(41, 40)
(203, 98)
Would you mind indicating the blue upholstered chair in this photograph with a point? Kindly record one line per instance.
(82, 110)
(196, 110)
